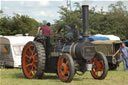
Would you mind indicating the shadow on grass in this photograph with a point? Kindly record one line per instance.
(53, 77)
(80, 78)
(49, 76)
(18, 75)
(45, 77)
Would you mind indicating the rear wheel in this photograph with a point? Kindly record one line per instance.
(65, 68)
(100, 66)
(33, 60)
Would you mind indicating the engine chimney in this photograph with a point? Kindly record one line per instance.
(85, 20)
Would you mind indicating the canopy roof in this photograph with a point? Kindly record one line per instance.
(106, 41)
(111, 37)
(15, 39)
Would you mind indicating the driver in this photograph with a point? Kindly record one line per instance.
(73, 33)
(76, 33)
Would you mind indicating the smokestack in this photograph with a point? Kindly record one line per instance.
(85, 20)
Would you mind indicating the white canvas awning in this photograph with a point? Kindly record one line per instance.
(111, 37)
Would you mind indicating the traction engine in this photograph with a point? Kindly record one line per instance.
(63, 56)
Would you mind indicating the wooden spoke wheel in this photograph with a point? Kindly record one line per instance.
(33, 60)
(65, 68)
(100, 66)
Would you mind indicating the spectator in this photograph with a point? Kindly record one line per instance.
(124, 50)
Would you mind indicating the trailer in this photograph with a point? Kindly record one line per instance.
(11, 48)
(109, 47)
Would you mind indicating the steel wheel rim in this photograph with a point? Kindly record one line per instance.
(98, 67)
(30, 60)
(63, 68)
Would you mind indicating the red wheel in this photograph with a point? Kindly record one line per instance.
(65, 68)
(100, 66)
(32, 60)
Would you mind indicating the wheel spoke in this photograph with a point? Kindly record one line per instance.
(94, 70)
(30, 50)
(33, 71)
(62, 73)
(28, 65)
(35, 55)
(67, 63)
(35, 61)
(30, 73)
(33, 51)
(35, 66)
(65, 69)
(27, 56)
(62, 60)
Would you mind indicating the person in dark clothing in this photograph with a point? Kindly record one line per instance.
(76, 33)
(73, 34)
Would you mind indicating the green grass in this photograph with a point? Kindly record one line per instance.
(16, 77)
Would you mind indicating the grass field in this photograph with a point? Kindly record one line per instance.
(16, 77)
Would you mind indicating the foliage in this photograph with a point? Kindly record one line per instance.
(69, 17)
(1, 11)
(114, 21)
(18, 25)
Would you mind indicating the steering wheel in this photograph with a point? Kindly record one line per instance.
(62, 31)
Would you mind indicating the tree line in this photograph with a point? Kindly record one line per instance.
(18, 25)
(114, 21)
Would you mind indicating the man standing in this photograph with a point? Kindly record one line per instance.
(124, 50)
(46, 30)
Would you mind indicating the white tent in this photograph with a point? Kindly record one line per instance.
(11, 49)
(111, 37)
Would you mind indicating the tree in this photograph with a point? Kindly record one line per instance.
(1, 11)
(18, 25)
(69, 17)
(118, 17)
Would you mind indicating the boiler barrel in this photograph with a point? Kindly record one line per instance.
(70, 49)
(80, 51)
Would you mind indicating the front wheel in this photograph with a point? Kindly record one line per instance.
(65, 68)
(100, 66)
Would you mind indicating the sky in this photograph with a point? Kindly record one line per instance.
(47, 9)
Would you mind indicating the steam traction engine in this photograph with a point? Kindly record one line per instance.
(63, 56)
